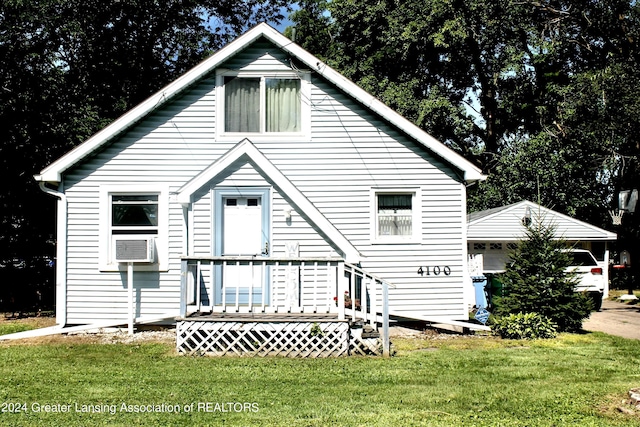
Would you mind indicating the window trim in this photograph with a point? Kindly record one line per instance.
(416, 215)
(106, 253)
(305, 108)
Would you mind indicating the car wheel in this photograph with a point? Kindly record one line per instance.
(597, 301)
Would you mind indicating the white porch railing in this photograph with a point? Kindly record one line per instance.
(236, 284)
(228, 284)
(367, 298)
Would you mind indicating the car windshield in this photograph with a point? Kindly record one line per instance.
(582, 258)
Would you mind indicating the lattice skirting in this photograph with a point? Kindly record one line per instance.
(290, 339)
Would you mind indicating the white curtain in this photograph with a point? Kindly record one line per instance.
(394, 215)
(242, 104)
(283, 105)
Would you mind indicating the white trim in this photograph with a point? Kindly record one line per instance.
(245, 149)
(53, 172)
(106, 262)
(416, 215)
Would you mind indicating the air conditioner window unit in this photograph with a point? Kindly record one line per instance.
(134, 249)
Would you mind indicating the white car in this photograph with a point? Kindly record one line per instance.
(589, 275)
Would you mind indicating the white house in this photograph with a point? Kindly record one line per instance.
(254, 183)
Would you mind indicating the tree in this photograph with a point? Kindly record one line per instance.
(540, 94)
(69, 67)
(536, 280)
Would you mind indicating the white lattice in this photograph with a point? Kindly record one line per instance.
(364, 346)
(291, 339)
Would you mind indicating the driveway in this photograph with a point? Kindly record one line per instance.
(615, 319)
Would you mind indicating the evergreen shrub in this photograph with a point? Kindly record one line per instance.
(536, 280)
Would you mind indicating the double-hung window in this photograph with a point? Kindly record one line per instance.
(262, 104)
(395, 216)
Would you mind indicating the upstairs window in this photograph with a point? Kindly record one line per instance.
(262, 104)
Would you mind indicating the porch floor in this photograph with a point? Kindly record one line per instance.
(263, 317)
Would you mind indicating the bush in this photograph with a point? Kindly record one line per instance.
(524, 326)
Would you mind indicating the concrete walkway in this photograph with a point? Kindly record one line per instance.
(616, 318)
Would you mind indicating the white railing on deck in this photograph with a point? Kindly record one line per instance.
(319, 285)
(276, 285)
(367, 298)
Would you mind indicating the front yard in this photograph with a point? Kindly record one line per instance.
(434, 380)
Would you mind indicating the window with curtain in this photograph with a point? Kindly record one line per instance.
(242, 104)
(394, 215)
(259, 104)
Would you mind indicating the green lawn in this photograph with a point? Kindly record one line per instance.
(572, 380)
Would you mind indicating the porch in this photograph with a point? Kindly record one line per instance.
(296, 307)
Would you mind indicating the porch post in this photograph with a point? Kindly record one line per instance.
(342, 285)
(385, 320)
(183, 288)
(130, 291)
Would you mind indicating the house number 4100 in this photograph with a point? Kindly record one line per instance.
(436, 270)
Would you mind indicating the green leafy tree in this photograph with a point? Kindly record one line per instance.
(537, 281)
(68, 68)
(541, 94)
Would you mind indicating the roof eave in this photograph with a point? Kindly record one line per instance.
(53, 172)
(470, 171)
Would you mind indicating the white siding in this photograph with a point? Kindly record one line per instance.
(349, 153)
(260, 56)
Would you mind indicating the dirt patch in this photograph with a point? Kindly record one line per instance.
(619, 406)
(167, 336)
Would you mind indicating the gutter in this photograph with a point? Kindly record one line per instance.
(61, 253)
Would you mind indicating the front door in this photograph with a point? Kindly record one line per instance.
(243, 232)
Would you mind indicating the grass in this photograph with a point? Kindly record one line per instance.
(474, 381)
(11, 325)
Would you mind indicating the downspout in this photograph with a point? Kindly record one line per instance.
(61, 254)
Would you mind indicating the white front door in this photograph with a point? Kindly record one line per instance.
(242, 226)
(243, 232)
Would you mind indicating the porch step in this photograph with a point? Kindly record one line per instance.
(364, 329)
(369, 332)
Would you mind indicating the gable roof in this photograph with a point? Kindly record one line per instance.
(245, 151)
(505, 223)
(53, 172)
